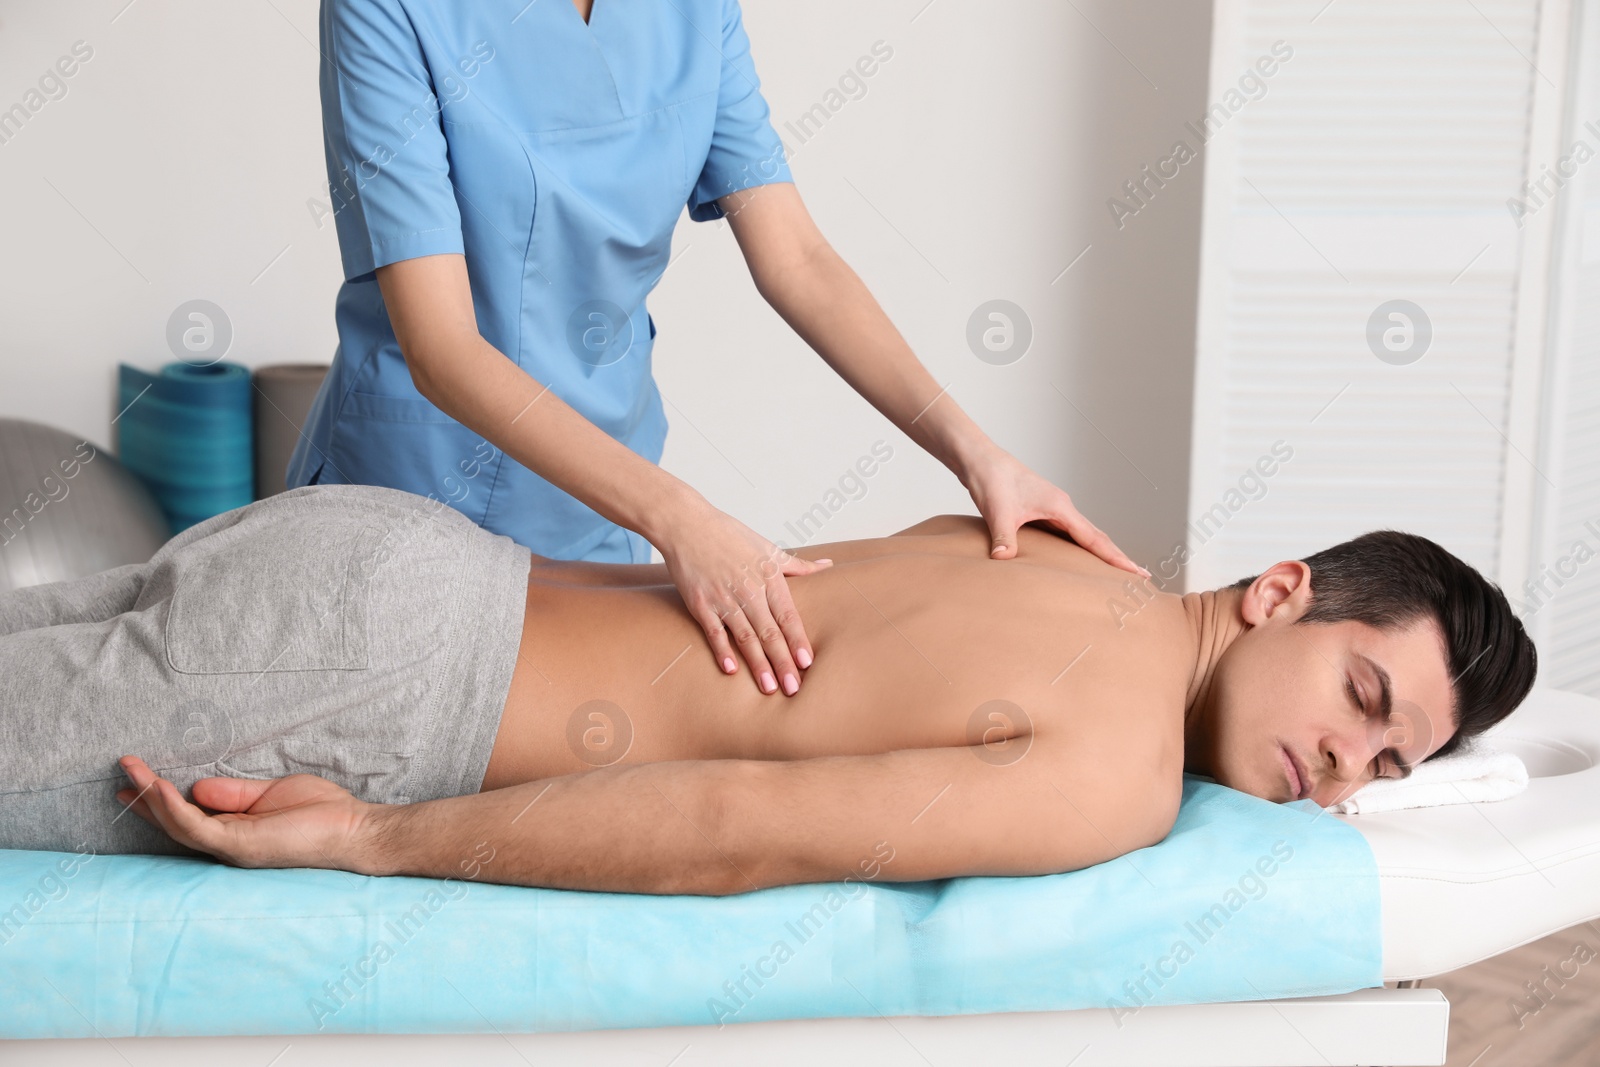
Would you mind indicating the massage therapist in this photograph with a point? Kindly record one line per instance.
(505, 179)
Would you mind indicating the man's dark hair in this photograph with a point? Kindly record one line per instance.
(1387, 579)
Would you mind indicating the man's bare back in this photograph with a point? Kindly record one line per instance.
(921, 640)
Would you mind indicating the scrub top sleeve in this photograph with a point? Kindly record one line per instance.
(745, 150)
(388, 166)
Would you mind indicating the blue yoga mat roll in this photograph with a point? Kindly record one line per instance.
(188, 432)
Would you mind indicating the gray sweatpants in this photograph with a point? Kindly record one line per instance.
(356, 632)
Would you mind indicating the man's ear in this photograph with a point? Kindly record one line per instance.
(1283, 591)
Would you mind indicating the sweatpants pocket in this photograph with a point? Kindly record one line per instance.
(284, 597)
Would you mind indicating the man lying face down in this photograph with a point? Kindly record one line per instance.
(977, 716)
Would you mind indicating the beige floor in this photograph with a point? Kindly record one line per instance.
(1496, 1021)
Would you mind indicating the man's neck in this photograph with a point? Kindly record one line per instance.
(1214, 622)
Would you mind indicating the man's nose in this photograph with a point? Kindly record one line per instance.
(1345, 754)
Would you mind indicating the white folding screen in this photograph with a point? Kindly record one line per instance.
(1560, 596)
(1370, 344)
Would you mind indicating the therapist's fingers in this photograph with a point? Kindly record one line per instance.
(750, 644)
(716, 631)
(1091, 537)
(788, 616)
(1003, 535)
(793, 564)
(725, 627)
(782, 634)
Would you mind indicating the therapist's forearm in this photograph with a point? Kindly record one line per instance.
(828, 305)
(477, 385)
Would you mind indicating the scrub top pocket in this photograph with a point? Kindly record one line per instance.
(265, 602)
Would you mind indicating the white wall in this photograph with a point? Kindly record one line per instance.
(978, 165)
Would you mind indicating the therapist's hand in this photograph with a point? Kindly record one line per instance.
(1009, 494)
(733, 582)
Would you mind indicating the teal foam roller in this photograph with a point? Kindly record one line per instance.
(188, 432)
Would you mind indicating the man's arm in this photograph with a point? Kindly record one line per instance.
(711, 827)
(718, 827)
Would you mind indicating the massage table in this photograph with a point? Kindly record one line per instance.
(1459, 884)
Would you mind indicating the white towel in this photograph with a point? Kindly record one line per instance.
(1478, 772)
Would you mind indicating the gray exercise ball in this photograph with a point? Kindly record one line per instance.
(68, 509)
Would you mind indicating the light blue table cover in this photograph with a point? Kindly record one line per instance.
(116, 946)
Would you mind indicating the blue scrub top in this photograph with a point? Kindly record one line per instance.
(557, 157)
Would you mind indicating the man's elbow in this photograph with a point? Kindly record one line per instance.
(740, 811)
(730, 860)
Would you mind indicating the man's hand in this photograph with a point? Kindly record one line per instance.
(298, 821)
(1009, 494)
